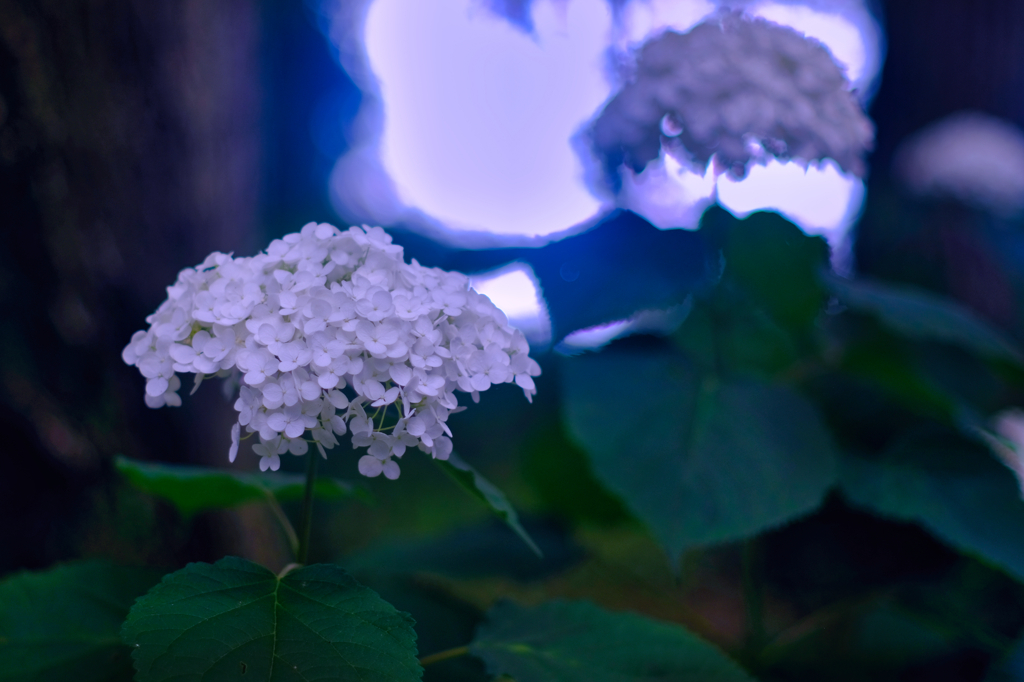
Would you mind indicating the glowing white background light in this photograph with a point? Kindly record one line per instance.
(479, 115)
(640, 20)
(515, 291)
(479, 119)
(667, 193)
(821, 199)
(845, 41)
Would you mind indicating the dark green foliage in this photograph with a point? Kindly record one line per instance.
(485, 491)
(194, 489)
(918, 314)
(698, 459)
(951, 486)
(63, 624)
(236, 620)
(728, 334)
(580, 642)
(779, 267)
(476, 551)
(560, 473)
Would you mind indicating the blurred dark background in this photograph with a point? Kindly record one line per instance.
(136, 137)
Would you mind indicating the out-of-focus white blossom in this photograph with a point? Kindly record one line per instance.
(331, 332)
(740, 89)
(971, 157)
(1008, 443)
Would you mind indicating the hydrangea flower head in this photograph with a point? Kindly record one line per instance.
(331, 332)
(738, 88)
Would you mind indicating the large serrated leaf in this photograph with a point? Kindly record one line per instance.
(919, 314)
(235, 618)
(194, 489)
(485, 491)
(579, 642)
(62, 624)
(951, 486)
(699, 460)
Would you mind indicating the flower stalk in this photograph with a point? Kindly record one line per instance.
(302, 555)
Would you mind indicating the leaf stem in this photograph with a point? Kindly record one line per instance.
(302, 555)
(445, 655)
(282, 518)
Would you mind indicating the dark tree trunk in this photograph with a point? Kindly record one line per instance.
(129, 148)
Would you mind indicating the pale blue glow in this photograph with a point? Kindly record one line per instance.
(515, 291)
(667, 193)
(640, 20)
(849, 43)
(593, 338)
(479, 116)
(660, 322)
(821, 199)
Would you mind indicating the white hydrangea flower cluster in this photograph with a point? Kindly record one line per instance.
(332, 332)
(738, 88)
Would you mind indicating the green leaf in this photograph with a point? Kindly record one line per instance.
(235, 618)
(579, 642)
(778, 266)
(918, 314)
(485, 491)
(726, 332)
(560, 474)
(1010, 668)
(952, 487)
(699, 460)
(884, 362)
(194, 489)
(62, 624)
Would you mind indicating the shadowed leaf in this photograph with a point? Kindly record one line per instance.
(235, 618)
(195, 489)
(698, 459)
(62, 624)
(580, 642)
(485, 491)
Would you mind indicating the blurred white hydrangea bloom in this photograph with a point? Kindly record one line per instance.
(969, 156)
(738, 88)
(1008, 441)
(331, 332)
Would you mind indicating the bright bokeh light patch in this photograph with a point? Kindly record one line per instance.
(667, 193)
(845, 40)
(480, 121)
(593, 338)
(659, 322)
(515, 291)
(640, 20)
(821, 199)
(479, 115)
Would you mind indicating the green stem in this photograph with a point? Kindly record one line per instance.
(444, 655)
(286, 525)
(302, 556)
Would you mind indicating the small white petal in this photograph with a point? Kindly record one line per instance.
(235, 434)
(370, 466)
